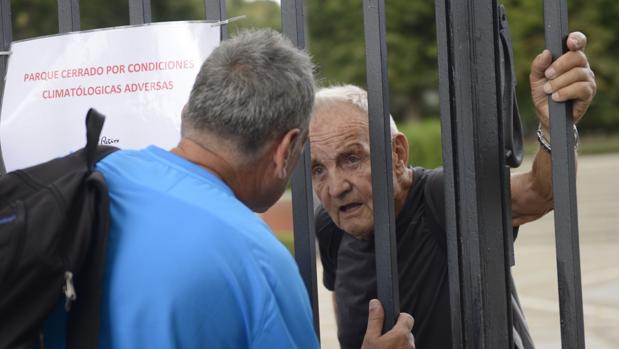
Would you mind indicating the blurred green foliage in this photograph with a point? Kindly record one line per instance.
(424, 142)
(38, 17)
(336, 41)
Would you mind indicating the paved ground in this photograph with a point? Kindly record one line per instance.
(535, 270)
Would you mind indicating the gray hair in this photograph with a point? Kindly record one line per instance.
(251, 89)
(350, 94)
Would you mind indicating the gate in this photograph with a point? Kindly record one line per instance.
(472, 100)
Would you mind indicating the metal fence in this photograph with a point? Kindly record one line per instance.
(475, 152)
(477, 178)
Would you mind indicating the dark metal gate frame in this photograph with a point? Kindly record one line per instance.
(6, 36)
(475, 171)
(477, 182)
(474, 166)
(302, 196)
(564, 190)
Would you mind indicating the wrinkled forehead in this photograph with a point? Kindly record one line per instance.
(337, 116)
(337, 128)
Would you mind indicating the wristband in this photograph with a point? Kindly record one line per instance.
(546, 144)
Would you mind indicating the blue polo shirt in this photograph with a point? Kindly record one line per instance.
(189, 266)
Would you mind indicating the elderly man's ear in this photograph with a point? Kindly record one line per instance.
(400, 153)
(285, 152)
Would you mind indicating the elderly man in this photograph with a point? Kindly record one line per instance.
(342, 181)
(189, 264)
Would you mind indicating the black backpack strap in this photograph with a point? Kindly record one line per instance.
(94, 151)
(94, 124)
(84, 318)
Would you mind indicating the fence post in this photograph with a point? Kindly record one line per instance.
(6, 36)
(139, 11)
(564, 190)
(302, 197)
(216, 11)
(380, 149)
(474, 177)
(445, 62)
(68, 15)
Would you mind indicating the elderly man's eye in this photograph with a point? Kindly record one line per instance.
(352, 159)
(317, 171)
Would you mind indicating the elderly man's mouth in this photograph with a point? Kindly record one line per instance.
(349, 208)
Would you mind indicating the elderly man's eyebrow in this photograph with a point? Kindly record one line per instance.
(356, 146)
(315, 162)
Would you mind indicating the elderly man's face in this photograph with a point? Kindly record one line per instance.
(341, 172)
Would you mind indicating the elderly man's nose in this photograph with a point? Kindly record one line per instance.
(338, 185)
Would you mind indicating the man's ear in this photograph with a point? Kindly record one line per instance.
(400, 152)
(284, 150)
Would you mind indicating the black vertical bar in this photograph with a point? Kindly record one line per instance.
(508, 239)
(470, 114)
(302, 199)
(468, 231)
(6, 35)
(139, 11)
(448, 140)
(564, 190)
(382, 175)
(293, 22)
(216, 11)
(505, 72)
(68, 15)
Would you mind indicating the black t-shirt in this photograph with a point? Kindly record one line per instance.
(349, 267)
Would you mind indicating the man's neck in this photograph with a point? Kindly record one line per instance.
(208, 159)
(244, 176)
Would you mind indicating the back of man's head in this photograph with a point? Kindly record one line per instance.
(251, 89)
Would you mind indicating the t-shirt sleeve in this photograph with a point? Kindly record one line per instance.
(329, 238)
(434, 192)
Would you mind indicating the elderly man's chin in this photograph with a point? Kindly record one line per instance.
(364, 235)
(358, 232)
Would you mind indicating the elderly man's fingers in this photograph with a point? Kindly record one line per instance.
(376, 318)
(579, 74)
(400, 335)
(539, 66)
(411, 341)
(581, 91)
(576, 41)
(405, 322)
(566, 62)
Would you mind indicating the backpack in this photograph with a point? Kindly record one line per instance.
(53, 233)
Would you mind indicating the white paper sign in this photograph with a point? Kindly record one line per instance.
(138, 76)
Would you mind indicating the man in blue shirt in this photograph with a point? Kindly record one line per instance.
(189, 264)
